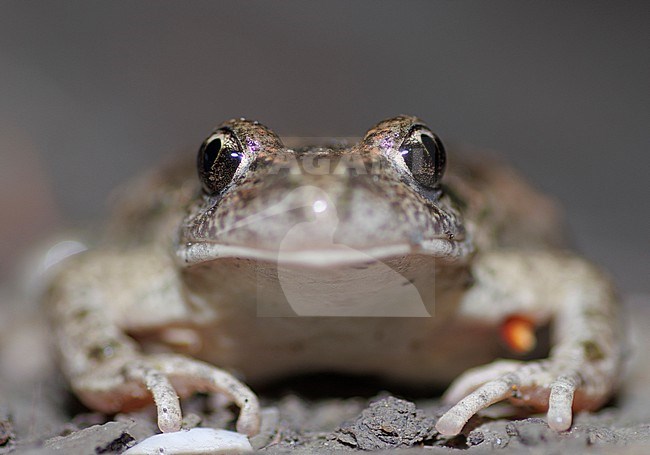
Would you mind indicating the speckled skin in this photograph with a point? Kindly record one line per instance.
(353, 267)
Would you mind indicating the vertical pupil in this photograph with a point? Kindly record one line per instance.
(436, 155)
(210, 155)
(425, 158)
(430, 145)
(218, 162)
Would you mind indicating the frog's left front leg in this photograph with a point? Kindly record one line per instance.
(584, 363)
(99, 296)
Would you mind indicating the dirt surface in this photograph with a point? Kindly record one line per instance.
(38, 415)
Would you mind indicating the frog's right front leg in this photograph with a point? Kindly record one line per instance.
(93, 297)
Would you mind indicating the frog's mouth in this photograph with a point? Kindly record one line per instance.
(336, 255)
(323, 222)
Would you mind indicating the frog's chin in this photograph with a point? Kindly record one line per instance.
(192, 254)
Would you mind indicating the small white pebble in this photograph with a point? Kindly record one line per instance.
(194, 441)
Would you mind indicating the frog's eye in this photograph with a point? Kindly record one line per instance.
(219, 158)
(424, 155)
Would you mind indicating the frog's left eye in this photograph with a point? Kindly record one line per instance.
(424, 155)
(219, 158)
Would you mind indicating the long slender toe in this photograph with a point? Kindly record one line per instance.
(560, 403)
(249, 421)
(476, 377)
(167, 402)
(452, 422)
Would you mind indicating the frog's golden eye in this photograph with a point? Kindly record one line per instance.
(219, 158)
(424, 155)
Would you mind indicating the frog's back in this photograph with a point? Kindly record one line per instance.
(150, 208)
(500, 207)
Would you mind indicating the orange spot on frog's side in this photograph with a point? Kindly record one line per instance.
(518, 333)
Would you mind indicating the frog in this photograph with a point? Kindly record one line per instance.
(380, 256)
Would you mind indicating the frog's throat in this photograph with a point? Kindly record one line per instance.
(202, 252)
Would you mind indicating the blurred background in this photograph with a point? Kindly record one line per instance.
(92, 93)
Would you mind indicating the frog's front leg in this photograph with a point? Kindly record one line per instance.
(94, 299)
(584, 362)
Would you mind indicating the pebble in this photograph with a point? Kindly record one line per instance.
(194, 441)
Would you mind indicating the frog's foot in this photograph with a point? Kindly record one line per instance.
(547, 385)
(164, 377)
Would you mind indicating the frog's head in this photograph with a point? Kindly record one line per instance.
(322, 206)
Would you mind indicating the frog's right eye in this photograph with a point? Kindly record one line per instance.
(424, 155)
(219, 158)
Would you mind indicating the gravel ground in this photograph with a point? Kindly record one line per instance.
(38, 415)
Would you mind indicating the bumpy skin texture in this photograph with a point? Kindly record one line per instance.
(189, 274)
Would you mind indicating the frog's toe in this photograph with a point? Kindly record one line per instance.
(472, 379)
(534, 384)
(167, 402)
(189, 376)
(453, 421)
(560, 402)
(166, 376)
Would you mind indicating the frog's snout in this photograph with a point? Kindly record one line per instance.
(328, 214)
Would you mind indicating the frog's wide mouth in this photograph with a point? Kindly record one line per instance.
(323, 221)
(196, 253)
